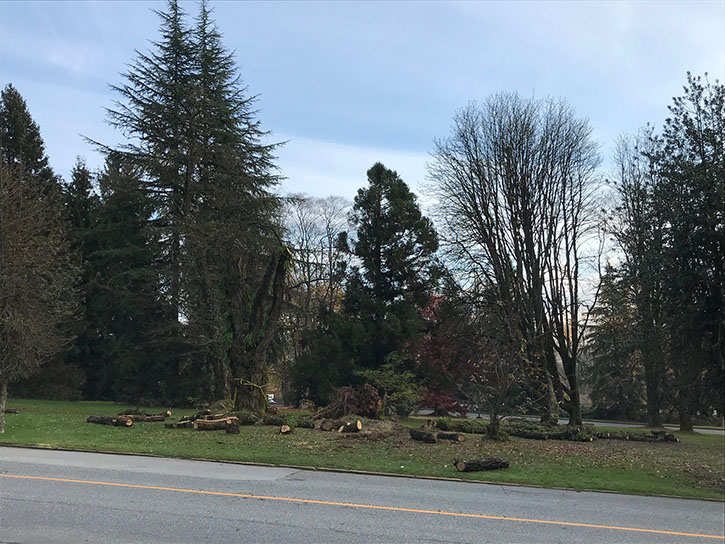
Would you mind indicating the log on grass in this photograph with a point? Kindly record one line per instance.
(327, 425)
(214, 424)
(350, 426)
(10, 411)
(154, 418)
(120, 421)
(274, 420)
(456, 437)
(423, 436)
(306, 423)
(285, 429)
(233, 427)
(180, 425)
(475, 465)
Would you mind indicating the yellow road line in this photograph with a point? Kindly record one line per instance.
(367, 506)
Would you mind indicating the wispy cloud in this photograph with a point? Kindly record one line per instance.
(323, 168)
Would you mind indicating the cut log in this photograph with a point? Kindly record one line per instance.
(273, 420)
(327, 425)
(306, 423)
(154, 418)
(475, 465)
(233, 427)
(350, 426)
(456, 437)
(285, 429)
(120, 421)
(10, 411)
(214, 424)
(180, 425)
(423, 436)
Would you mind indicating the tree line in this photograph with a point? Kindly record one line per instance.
(177, 274)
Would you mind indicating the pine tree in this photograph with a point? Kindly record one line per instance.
(616, 373)
(198, 146)
(395, 245)
(689, 158)
(20, 140)
(125, 358)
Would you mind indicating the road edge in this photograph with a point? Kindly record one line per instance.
(353, 471)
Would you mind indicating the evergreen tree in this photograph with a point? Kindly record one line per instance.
(395, 246)
(381, 319)
(689, 158)
(122, 354)
(20, 139)
(615, 372)
(198, 146)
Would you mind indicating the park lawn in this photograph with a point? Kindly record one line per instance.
(692, 468)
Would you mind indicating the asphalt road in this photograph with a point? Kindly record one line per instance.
(68, 497)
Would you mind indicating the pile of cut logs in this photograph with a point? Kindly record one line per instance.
(341, 426)
(128, 418)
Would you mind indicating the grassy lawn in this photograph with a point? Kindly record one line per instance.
(693, 467)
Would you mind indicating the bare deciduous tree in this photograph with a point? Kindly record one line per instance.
(36, 279)
(313, 226)
(513, 180)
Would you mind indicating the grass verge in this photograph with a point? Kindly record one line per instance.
(691, 468)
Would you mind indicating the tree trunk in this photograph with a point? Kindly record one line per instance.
(684, 414)
(575, 415)
(551, 408)
(423, 436)
(3, 402)
(456, 437)
(474, 465)
(254, 327)
(214, 424)
(493, 425)
(653, 396)
(120, 421)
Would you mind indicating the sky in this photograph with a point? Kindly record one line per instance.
(347, 84)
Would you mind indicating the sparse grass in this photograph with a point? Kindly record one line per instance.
(692, 468)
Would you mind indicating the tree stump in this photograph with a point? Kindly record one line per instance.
(423, 436)
(475, 465)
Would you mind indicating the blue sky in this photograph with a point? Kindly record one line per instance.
(348, 84)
